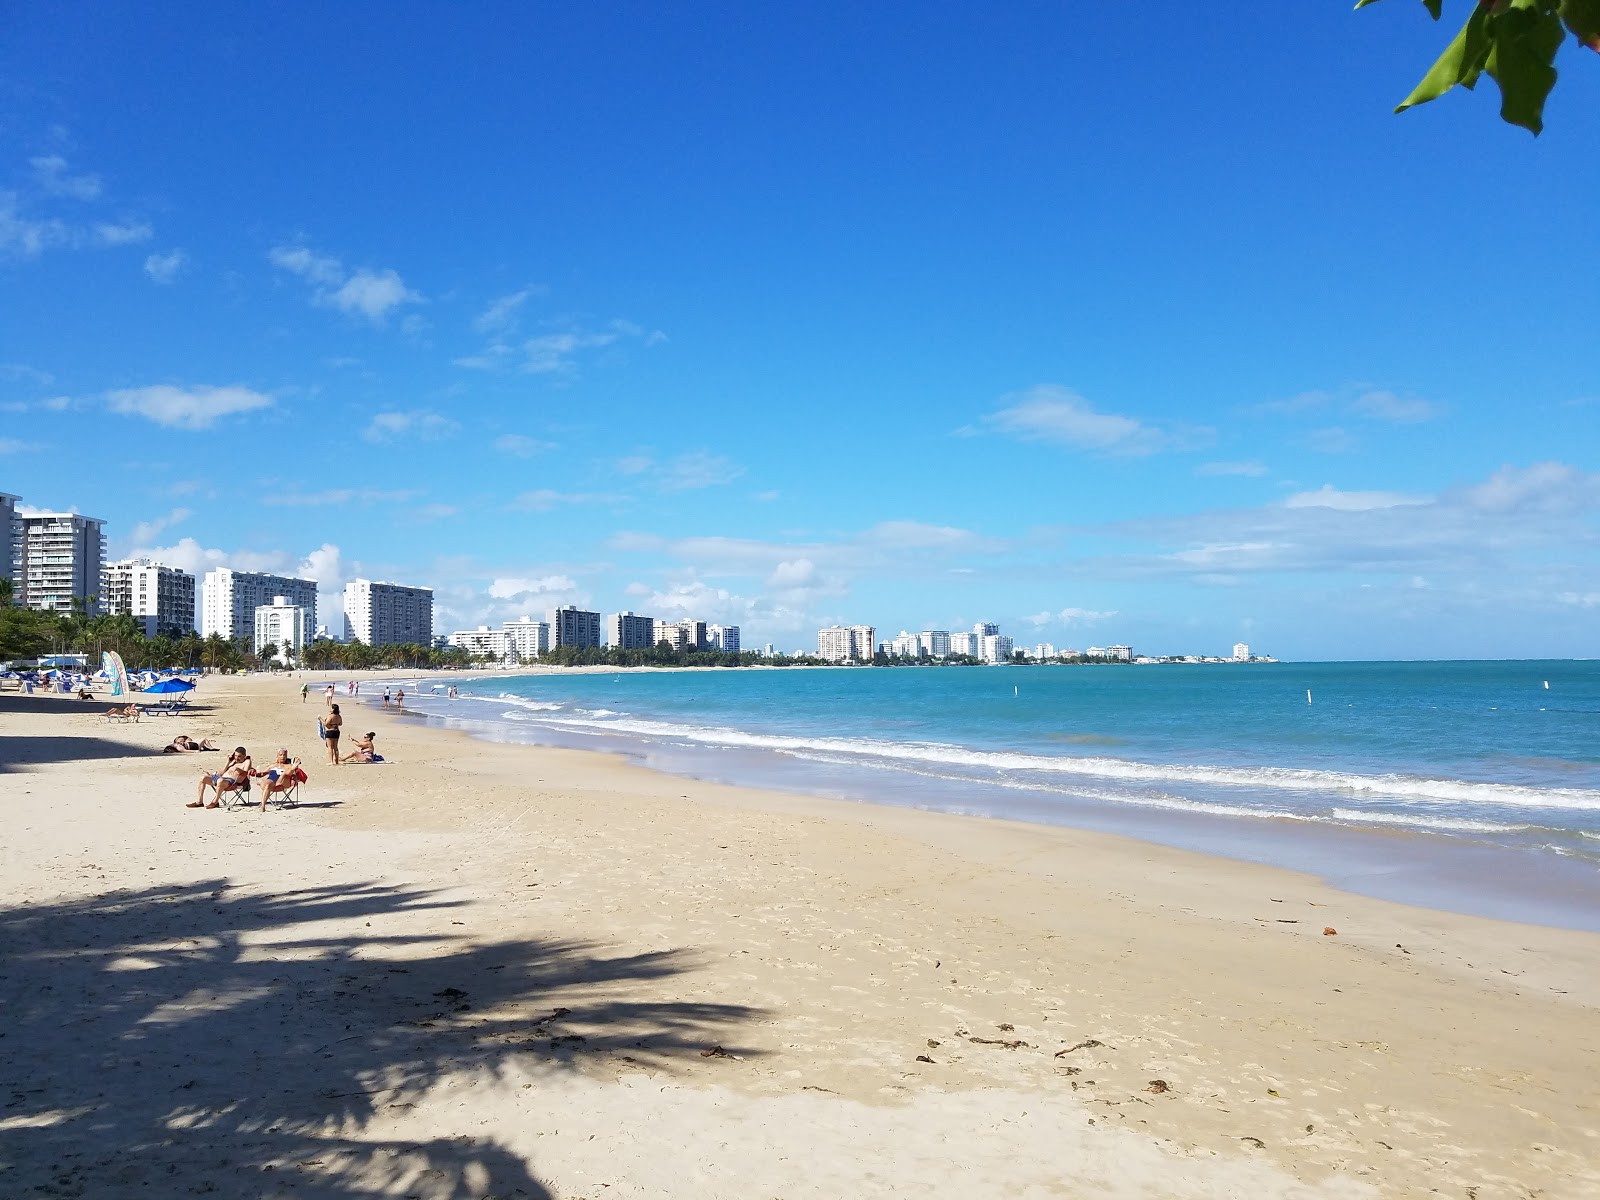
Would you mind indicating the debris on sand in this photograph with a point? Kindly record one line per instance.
(925, 1058)
(1328, 931)
(1158, 1086)
(1090, 1044)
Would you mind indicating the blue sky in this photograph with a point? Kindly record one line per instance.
(1154, 328)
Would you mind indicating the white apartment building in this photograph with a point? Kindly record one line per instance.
(159, 597)
(284, 626)
(229, 599)
(8, 540)
(907, 645)
(963, 644)
(683, 635)
(58, 558)
(1241, 652)
(629, 631)
(985, 629)
(842, 643)
(994, 648)
(384, 614)
(723, 637)
(1044, 651)
(1119, 653)
(481, 641)
(574, 627)
(934, 643)
(526, 639)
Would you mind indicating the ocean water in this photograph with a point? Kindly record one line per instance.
(1469, 785)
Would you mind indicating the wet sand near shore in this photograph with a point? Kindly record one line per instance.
(483, 969)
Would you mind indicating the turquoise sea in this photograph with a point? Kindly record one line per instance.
(1470, 785)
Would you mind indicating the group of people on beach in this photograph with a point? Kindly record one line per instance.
(282, 776)
(329, 727)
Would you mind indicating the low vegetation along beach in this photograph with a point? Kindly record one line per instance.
(500, 970)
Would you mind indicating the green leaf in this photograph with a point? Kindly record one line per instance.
(1583, 18)
(1463, 60)
(1433, 6)
(1525, 39)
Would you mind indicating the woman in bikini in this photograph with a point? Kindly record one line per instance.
(281, 776)
(364, 751)
(234, 777)
(330, 726)
(184, 744)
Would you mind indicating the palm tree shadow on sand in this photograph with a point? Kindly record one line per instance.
(191, 1040)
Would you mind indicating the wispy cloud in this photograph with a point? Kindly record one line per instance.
(1069, 617)
(502, 314)
(1059, 416)
(519, 445)
(53, 176)
(418, 425)
(1353, 400)
(556, 353)
(122, 233)
(688, 472)
(146, 531)
(338, 496)
(546, 499)
(17, 446)
(1249, 468)
(186, 408)
(46, 213)
(164, 268)
(372, 294)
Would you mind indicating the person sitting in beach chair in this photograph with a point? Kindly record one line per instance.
(366, 750)
(121, 713)
(184, 744)
(283, 779)
(234, 777)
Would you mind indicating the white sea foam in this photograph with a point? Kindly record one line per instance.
(1449, 824)
(1288, 779)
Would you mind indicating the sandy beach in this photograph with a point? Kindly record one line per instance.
(487, 970)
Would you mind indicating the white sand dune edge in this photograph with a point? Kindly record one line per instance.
(490, 970)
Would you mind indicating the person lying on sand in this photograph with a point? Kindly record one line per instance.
(364, 752)
(184, 744)
(234, 777)
(281, 776)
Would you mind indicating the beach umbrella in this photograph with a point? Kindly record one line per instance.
(169, 685)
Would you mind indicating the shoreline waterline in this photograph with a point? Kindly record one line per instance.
(1461, 865)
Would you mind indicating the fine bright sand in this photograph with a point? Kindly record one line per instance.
(484, 970)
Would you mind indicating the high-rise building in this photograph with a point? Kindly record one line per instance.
(386, 614)
(8, 542)
(574, 627)
(527, 638)
(1119, 653)
(629, 631)
(907, 645)
(723, 637)
(230, 598)
(683, 635)
(843, 643)
(159, 597)
(285, 627)
(963, 644)
(1241, 652)
(934, 643)
(985, 629)
(994, 648)
(1044, 651)
(59, 558)
(481, 641)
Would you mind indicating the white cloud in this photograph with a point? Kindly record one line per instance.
(794, 573)
(1547, 487)
(146, 531)
(189, 555)
(372, 294)
(502, 313)
(51, 176)
(126, 234)
(16, 446)
(1327, 496)
(1249, 468)
(324, 564)
(546, 499)
(420, 424)
(700, 469)
(1332, 439)
(549, 586)
(635, 464)
(337, 496)
(1399, 410)
(1580, 599)
(164, 268)
(556, 353)
(26, 374)
(186, 408)
(520, 445)
(1059, 416)
(29, 236)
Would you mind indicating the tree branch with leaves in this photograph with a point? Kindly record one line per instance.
(1514, 42)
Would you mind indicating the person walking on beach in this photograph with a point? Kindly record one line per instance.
(386, 697)
(400, 699)
(330, 695)
(330, 735)
(305, 690)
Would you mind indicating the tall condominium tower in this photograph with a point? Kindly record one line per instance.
(230, 599)
(58, 559)
(8, 541)
(629, 631)
(574, 627)
(382, 614)
(159, 597)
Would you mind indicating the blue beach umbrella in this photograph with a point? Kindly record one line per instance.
(169, 685)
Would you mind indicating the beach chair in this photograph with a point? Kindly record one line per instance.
(236, 797)
(160, 710)
(115, 718)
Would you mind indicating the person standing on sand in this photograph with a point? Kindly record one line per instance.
(400, 699)
(330, 726)
(386, 697)
(330, 695)
(305, 690)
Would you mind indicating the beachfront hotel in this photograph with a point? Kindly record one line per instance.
(56, 559)
(283, 626)
(574, 627)
(230, 599)
(846, 643)
(386, 614)
(8, 537)
(723, 637)
(630, 631)
(159, 597)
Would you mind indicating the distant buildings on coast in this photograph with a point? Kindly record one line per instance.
(985, 644)
(526, 640)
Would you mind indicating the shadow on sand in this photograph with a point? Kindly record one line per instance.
(183, 1041)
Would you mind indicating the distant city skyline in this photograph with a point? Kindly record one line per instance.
(834, 317)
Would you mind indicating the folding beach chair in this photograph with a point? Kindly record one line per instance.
(236, 796)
